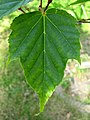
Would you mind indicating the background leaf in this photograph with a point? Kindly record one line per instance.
(44, 43)
(9, 6)
(79, 1)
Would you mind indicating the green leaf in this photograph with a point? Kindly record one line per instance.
(9, 6)
(79, 1)
(44, 43)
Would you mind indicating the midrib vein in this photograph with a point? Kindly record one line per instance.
(44, 32)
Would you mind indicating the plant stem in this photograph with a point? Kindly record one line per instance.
(21, 10)
(40, 6)
(49, 1)
(83, 21)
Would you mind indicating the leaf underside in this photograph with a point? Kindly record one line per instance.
(44, 43)
(9, 6)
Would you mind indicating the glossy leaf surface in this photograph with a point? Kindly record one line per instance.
(44, 43)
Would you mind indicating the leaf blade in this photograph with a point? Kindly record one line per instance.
(44, 41)
(9, 6)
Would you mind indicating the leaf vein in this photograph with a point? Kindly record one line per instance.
(27, 35)
(73, 49)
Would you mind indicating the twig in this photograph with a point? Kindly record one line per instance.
(21, 10)
(83, 21)
(49, 1)
(40, 6)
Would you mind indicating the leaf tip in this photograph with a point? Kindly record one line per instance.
(42, 104)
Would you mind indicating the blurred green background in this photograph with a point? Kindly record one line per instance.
(71, 100)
